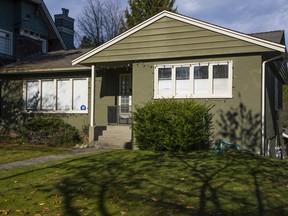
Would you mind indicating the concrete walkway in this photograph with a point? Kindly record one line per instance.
(48, 158)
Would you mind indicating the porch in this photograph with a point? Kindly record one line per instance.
(119, 115)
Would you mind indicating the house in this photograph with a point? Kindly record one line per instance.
(166, 56)
(174, 56)
(27, 28)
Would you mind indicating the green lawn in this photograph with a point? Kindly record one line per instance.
(15, 149)
(146, 183)
(15, 152)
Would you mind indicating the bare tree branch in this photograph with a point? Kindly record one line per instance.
(101, 20)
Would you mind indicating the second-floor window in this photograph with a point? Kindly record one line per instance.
(5, 42)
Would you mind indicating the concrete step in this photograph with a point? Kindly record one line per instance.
(105, 145)
(115, 137)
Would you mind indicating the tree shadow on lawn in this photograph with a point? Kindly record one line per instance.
(147, 183)
(172, 184)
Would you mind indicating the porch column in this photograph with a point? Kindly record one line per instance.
(92, 107)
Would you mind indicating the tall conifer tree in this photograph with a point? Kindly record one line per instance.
(141, 10)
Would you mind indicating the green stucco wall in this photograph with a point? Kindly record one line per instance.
(273, 111)
(235, 120)
(106, 92)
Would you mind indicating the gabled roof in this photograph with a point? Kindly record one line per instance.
(234, 34)
(50, 21)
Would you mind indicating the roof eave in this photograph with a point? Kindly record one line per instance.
(51, 70)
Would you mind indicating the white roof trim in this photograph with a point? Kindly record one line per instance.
(188, 20)
(53, 24)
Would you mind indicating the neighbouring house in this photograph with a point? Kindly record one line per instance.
(27, 28)
(166, 56)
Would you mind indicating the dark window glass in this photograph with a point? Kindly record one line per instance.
(182, 73)
(220, 71)
(201, 72)
(164, 73)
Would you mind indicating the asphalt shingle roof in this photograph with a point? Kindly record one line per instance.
(273, 36)
(51, 60)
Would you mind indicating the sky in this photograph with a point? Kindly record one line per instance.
(247, 16)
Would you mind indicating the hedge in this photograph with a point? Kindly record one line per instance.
(172, 125)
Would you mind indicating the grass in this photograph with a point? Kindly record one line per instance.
(13, 149)
(147, 183)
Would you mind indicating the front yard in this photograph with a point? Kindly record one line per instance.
(147, 183)
(16, 149)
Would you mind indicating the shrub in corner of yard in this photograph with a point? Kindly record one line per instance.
(49, 131)
(172, 125)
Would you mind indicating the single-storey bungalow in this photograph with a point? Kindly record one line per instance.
(167, 56)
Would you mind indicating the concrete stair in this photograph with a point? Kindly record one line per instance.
(115, 137)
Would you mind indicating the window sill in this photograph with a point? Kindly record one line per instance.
(56, 112)
(195, 97)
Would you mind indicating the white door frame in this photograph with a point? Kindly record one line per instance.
(128, 93)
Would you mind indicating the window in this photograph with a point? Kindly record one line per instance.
(35, 36)
(164, 81)
(56, 95)
(47, 102)
(5, 42)
(195, 80)
(182, 80)
(201, 80)
(220, 79)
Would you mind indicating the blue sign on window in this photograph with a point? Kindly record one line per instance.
(83, 107)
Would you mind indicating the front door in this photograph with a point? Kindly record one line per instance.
(125, 99)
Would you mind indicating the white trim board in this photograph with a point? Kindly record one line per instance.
(188, 20)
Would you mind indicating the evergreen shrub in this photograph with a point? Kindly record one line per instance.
(49, 131)
(172, 125)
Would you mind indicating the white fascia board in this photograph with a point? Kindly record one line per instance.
(188, 20)
(53, 24)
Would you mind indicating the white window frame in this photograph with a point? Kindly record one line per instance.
(10, 43)
(191, 93)
(54, 110)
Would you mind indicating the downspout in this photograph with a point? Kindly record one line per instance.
(92, 108)
(264, 102)
(92, 114)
